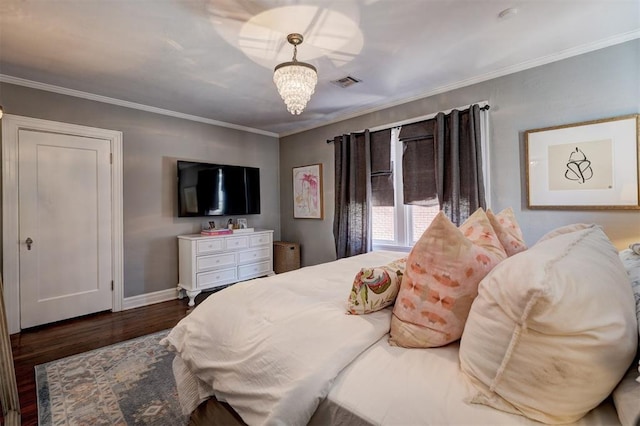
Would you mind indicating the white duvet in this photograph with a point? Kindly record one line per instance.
(272, 347)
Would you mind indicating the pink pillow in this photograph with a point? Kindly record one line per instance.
(508, 231)
(441, 281)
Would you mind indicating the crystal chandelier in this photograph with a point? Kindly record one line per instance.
(295, 80)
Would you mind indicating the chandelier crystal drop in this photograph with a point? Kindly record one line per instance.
(296, 81)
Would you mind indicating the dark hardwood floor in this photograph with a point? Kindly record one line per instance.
(47, 343)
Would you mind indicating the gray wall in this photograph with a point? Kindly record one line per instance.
(599, 84)
(151, 145)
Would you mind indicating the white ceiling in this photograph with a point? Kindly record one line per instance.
(212, 60)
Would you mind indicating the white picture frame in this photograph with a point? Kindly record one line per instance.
(307, 192)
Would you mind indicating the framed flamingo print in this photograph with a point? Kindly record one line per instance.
(307, 192)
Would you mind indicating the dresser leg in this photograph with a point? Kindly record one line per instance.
(192, 296)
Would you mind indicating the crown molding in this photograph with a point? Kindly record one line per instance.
(565, 54)
(113, 101)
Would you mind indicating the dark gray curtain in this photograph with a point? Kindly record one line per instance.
(459, 163)
(442, 163)
(352, 218)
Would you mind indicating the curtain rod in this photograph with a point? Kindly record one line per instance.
(484, 106)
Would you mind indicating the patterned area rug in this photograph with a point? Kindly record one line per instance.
(123, 384)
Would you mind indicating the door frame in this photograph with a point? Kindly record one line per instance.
(11, 125)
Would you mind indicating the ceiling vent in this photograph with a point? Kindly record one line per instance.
(346, 81)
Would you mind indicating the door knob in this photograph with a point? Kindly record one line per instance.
(29, 241)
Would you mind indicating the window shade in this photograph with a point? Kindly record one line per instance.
(419, 164)
(381, 169)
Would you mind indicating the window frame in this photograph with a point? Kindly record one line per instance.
(403, 218)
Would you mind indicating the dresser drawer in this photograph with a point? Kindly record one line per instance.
(216, 278)
(209, 246)
(237, 242)
(215, 261)
(253, 270)
(260, 240)
(254, 255)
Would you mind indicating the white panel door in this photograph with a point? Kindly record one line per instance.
(65, 226)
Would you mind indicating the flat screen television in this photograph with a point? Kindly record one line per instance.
(206, 189)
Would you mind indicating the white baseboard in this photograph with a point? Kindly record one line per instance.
(149, 298)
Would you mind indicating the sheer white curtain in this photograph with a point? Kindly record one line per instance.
(485, 132)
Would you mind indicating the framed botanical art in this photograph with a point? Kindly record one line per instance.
(307, 192)
(589, 165)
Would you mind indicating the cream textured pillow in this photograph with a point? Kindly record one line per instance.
(441, 281)
(552, 330)
(376, 288)
(508, 231)
(626, 398)
(567, 229)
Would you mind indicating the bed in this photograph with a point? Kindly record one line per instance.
(283, 350)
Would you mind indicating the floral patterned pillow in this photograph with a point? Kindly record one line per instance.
(627, 393)
(376, 288)
(631, 261)
(508, 231)
(441, 281)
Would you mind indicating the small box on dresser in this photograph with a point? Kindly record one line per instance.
(206, 262)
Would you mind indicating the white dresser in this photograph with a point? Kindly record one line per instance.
(207, 262)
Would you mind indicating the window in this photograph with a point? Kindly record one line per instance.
(400, 225)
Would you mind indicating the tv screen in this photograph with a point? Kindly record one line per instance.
(206, 189)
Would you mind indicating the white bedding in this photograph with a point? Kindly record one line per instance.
(286, 357)
(266, 352)
(385, 380)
